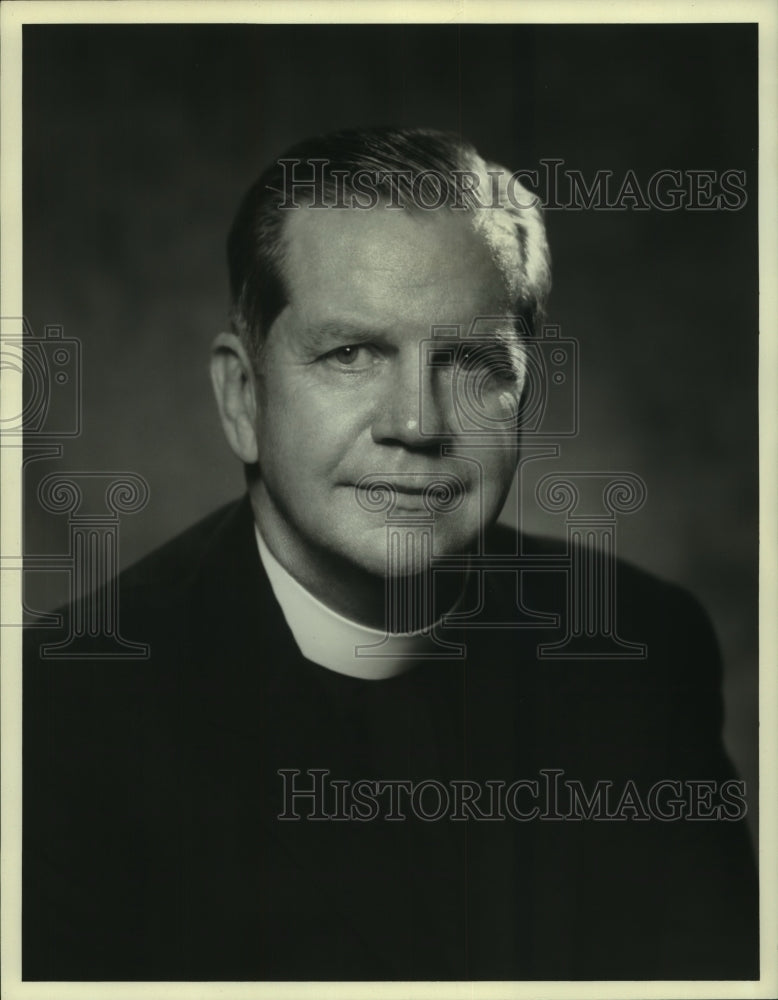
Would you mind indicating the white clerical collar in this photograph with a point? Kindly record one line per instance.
(329, 639)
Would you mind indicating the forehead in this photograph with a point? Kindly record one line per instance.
(391, 267)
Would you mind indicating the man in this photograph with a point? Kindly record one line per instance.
(343, 757)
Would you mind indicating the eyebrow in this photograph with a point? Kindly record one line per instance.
(320, 335)
(504, 337)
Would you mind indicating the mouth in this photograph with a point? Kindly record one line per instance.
(436, 493)
(402, 488)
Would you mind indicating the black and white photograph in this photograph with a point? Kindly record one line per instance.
(388, 462)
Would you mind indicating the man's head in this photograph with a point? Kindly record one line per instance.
(378, 318)
(422, 170)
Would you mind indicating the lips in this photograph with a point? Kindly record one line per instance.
(405, 488)
(405, 496)
(411, 486)
(437, 493)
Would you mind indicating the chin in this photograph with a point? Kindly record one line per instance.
(407, 550)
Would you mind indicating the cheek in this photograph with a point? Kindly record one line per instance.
(499, 468)
(304, 431)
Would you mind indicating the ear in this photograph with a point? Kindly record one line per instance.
(233, 385)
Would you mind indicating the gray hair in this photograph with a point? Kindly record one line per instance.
(415, 169)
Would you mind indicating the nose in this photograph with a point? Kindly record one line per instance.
(411, 408)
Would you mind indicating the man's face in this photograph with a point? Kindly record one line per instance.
(345, 390)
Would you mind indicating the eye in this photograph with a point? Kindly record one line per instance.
(346, 355)
(488, 359)
(354, 357)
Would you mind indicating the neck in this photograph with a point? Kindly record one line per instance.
(398, 604)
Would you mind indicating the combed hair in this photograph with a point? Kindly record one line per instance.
(406, 165)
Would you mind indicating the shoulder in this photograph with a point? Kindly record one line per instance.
(175, 564)
(147, 601)
(641, 597)
(112, 673)
(608, 634)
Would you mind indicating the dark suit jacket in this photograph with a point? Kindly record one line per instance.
(152, 847)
